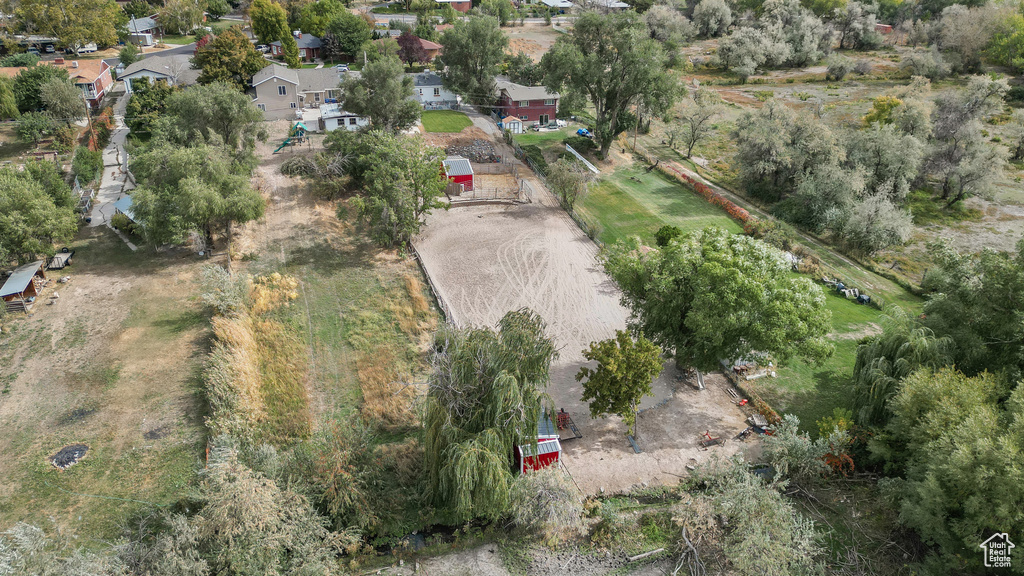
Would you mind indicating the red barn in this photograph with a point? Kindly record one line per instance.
(546, 453)
(460, 171)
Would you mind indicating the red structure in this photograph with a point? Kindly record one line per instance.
(528, 103)
(547, 452)
(460, 171)
(460, 5)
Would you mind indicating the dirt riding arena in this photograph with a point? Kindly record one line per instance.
(487, 260)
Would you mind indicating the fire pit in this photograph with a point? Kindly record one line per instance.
(68, 456)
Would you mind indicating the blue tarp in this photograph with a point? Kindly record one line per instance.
(20, 279)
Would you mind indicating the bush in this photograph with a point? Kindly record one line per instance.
(581, 144)
(87, 165)
(64, 139)
(544, 503)
(666, 233)
(534, 153)
(838, 67)
(19, 60)
(124, 224)
(929, 64)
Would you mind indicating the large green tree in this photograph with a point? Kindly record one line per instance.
(74, 23)
(315, 16)
(382, 94)
(978, 301)
(485, 398)
(28, 85)
(181, 16)
(8, 101)
(214, 110)
(960, 441)
(350, 31)
(230, 58)
(147, 104)
(269, 21)
(473, 52)
(625, 369)
(611, 60)
(403, 184)
(710, 295)
(199, 187)
(63, 100)
(32, 220)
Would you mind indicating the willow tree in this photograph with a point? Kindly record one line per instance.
(486, 395)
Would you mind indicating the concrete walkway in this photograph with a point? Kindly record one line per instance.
(114, 181)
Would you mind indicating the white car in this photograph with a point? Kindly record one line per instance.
(562, 123)
(341, 67)
(263, 48)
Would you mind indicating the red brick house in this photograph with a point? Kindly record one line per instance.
(460, 5)
(531, 104)
(309, 46)
(91, 76)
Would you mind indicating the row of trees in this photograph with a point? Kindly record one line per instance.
(853, 184)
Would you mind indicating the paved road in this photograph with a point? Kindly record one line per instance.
(113, 181)
(186, 49)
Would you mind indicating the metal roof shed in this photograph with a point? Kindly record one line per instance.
(20, 291)
(459, 170)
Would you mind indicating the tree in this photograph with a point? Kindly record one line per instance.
(569, 180)
(128, 55)
(216, 9)
(138, 9)
(958, 440)
(473, 52)
(667, 24)
(403, 184)
(33, 126)
(31, 221)
(824, 199)
(74, 23)
(889, 158)
(351, 32)
(28, 84)
(269, 21)
(382, 94)
(214, 113)
(804, 33)
(484, 399)
(793, 455)
(747, 49)
(521, 69)
(182, 16)
(316, 16)
(26, 549)
(229, 58)
(886, 359)
(63, 100)
(712, 18)
(410, 50)
(697, 115)
(973, 296)
(964, 34)
(545, 503)
(1007, 45)
(876, 223)
(191, 188)
(8, 101)
(710, 295)
(611, 60)
(666, 234)
(499, 9)
(147, 104)
(290, 48)
(1016, 138)
(625, 369)
(20, 60)
(855, 23)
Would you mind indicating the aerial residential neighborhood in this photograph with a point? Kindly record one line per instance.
(585, 287)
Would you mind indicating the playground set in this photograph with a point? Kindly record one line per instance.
(296, 135)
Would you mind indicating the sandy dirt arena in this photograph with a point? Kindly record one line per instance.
(487, 260)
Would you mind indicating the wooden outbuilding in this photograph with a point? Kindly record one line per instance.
(460, 171)
(23, 286)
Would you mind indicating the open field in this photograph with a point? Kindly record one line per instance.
(444, 121)
(626, 207)
(114, 365)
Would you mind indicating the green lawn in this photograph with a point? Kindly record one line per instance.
(445, 121)
(624, 207)
(545, 138)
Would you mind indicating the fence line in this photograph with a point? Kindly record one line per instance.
(433, 289)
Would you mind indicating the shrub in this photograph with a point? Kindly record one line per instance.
(64, 139)
(838, 67)
(544, 503)
(581, 144)
(124, 224)
(534, 153)
(87, 165)
(666, 233)
(24, 59)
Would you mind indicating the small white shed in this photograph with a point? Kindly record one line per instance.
(513, 124)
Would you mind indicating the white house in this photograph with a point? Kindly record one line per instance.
(176, 70)
(332, 118)
(429, 91)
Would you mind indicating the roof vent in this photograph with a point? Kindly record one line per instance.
(74, 63)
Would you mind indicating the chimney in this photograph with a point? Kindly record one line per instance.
(74, 63)
(297, 33)
(58, 60)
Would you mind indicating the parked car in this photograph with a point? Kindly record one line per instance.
(561, 123)
(263, 48)
(584, 132)
(33, 50)
(49, 49)
(341, 67)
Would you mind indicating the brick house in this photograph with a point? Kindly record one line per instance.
(309, 46)
(460, 5)
(91, 76)
(531, 104)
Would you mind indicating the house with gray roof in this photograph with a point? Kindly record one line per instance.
(309, 46)
(176, 70)
(430, 92)
(283, 92)
(531, 104)
(142, 31)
